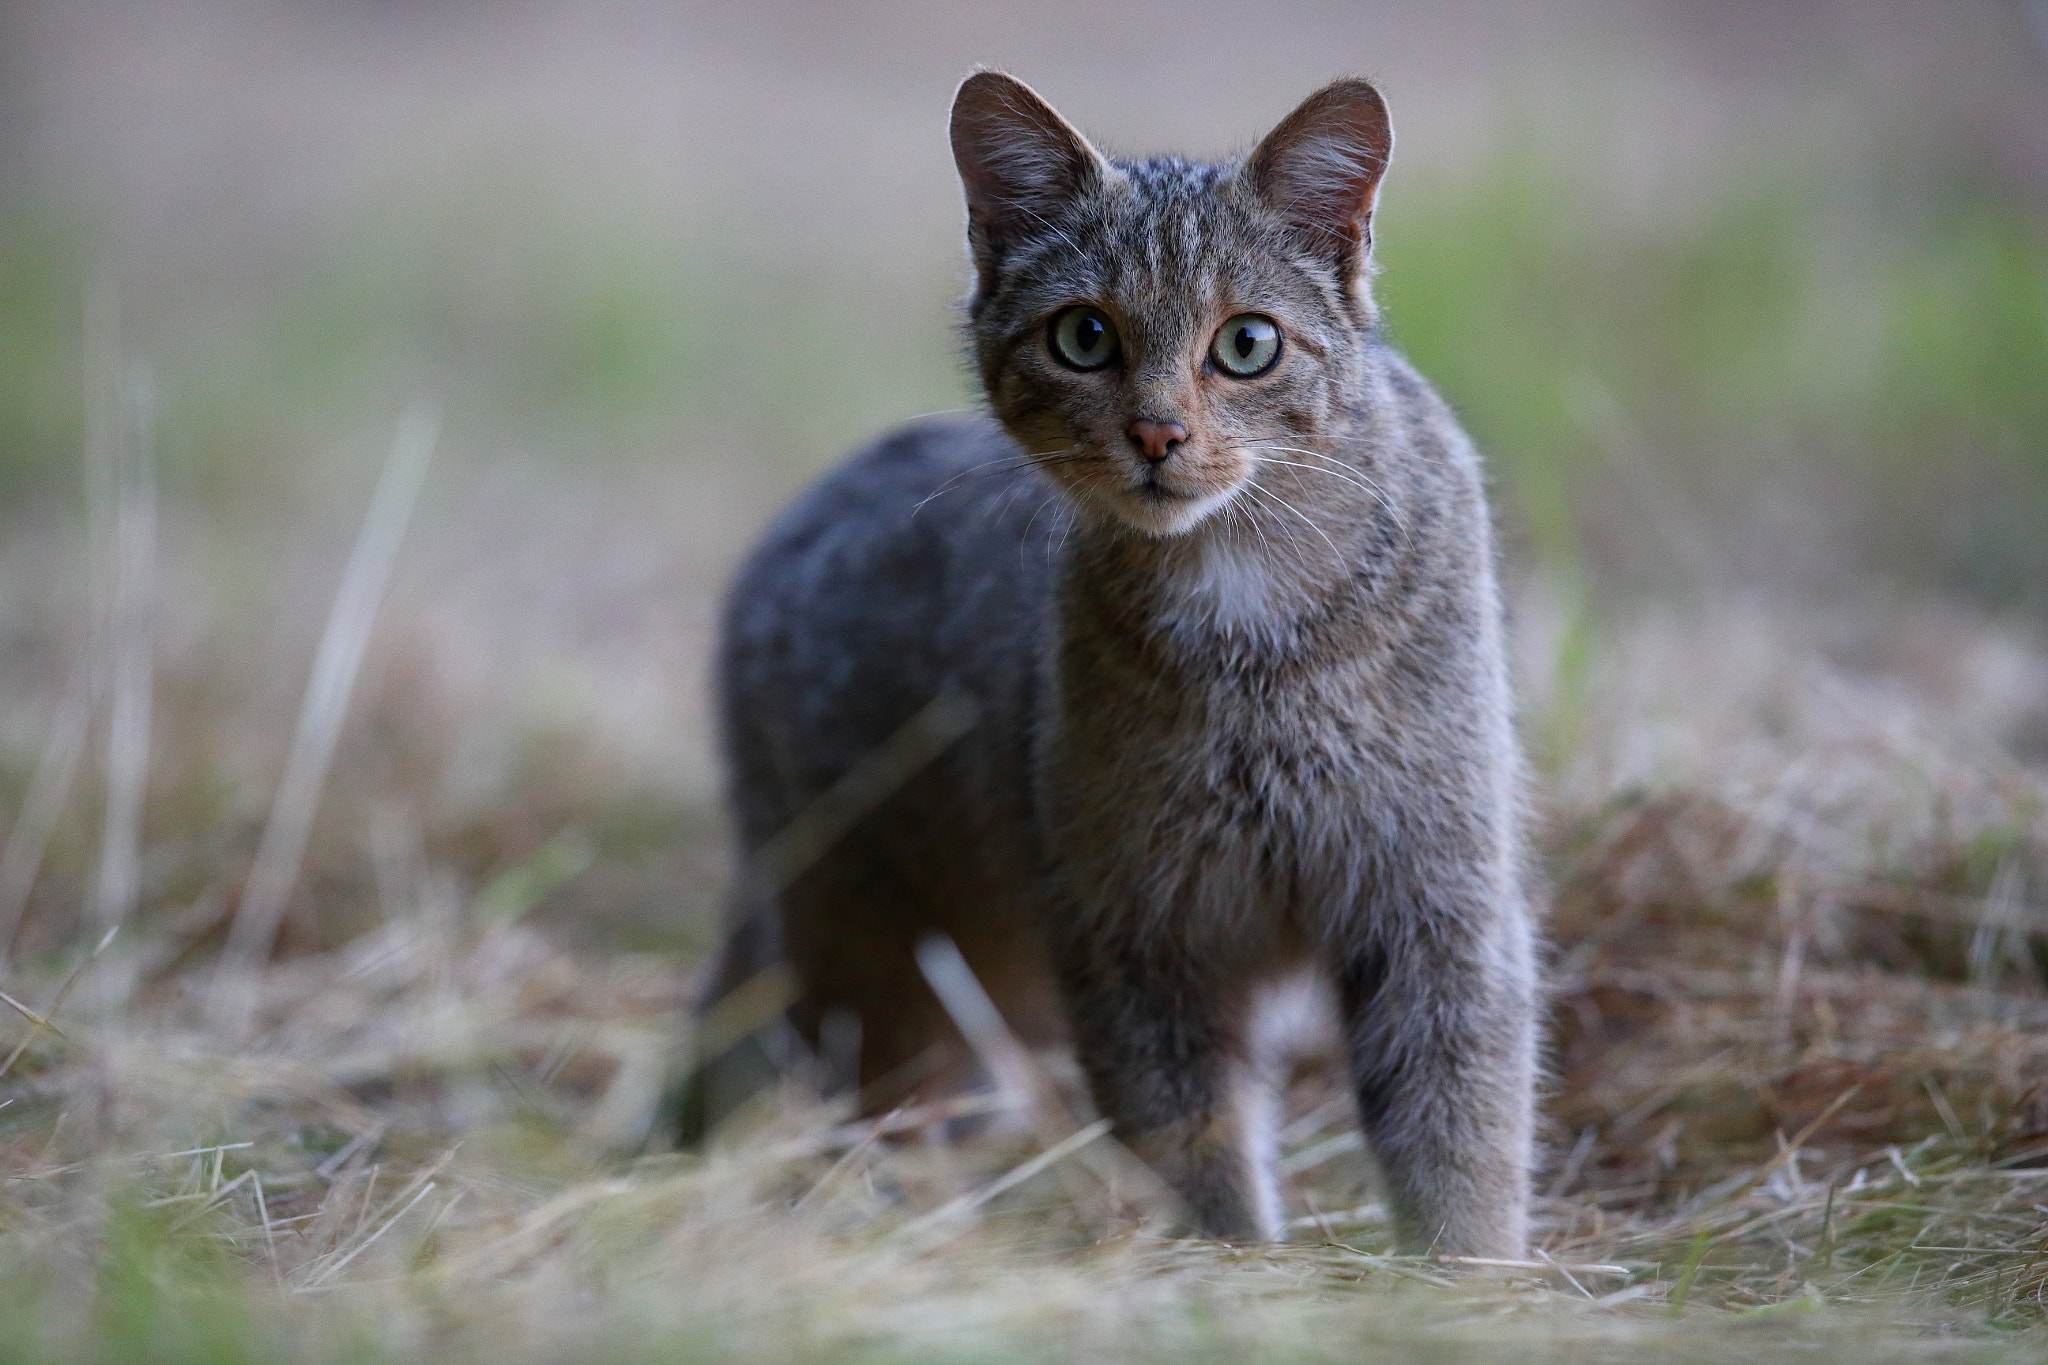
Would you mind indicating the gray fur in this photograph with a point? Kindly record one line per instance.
(1244, 715)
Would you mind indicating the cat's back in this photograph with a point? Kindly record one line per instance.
(919, 564)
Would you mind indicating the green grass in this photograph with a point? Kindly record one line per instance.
(1796, 333)
(41, 369)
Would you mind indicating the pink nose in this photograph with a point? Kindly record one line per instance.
(1155, 440)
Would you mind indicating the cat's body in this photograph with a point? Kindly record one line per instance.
(1242, 709)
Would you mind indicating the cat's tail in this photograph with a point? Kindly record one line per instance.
(742, 1036)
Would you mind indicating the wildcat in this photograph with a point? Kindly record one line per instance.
(1215, 578)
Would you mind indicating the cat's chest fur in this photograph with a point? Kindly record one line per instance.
(1205, 751)
(1230, 591)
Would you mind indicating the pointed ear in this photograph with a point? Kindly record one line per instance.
(1018, 158)
(1320, 169)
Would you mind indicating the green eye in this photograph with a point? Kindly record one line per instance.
(1083, 338)
(1247, 345)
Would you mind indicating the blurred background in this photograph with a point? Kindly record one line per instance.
(1746, 302)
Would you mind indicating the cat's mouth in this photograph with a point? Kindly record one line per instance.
(1154, 492)
(1150, 485)
(1161, 505)
(1169, 498)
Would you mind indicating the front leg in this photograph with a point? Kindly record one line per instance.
(1165, 1050)
(1439, 1013)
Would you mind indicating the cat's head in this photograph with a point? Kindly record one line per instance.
(1143, 328)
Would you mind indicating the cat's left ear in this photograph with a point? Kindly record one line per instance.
(1321, 168)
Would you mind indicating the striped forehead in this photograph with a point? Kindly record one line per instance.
(1163, 242)
(1171, 225)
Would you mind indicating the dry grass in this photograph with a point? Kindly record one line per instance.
(1800, 1029)
(1734, 330)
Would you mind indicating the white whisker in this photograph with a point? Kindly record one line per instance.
(1342, 471)
(1305, 517)
(1258, 494)
(1006, 463)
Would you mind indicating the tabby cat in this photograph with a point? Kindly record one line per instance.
(1171, 686)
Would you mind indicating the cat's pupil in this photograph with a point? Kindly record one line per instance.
(1244, 342)
(1090, 332)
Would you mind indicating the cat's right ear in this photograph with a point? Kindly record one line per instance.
(1019, 160)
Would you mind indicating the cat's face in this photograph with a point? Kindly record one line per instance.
(1152, 332)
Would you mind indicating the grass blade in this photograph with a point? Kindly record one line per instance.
(130, 645)
(231, 1001)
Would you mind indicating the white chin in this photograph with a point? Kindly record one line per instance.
(1167, 516)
